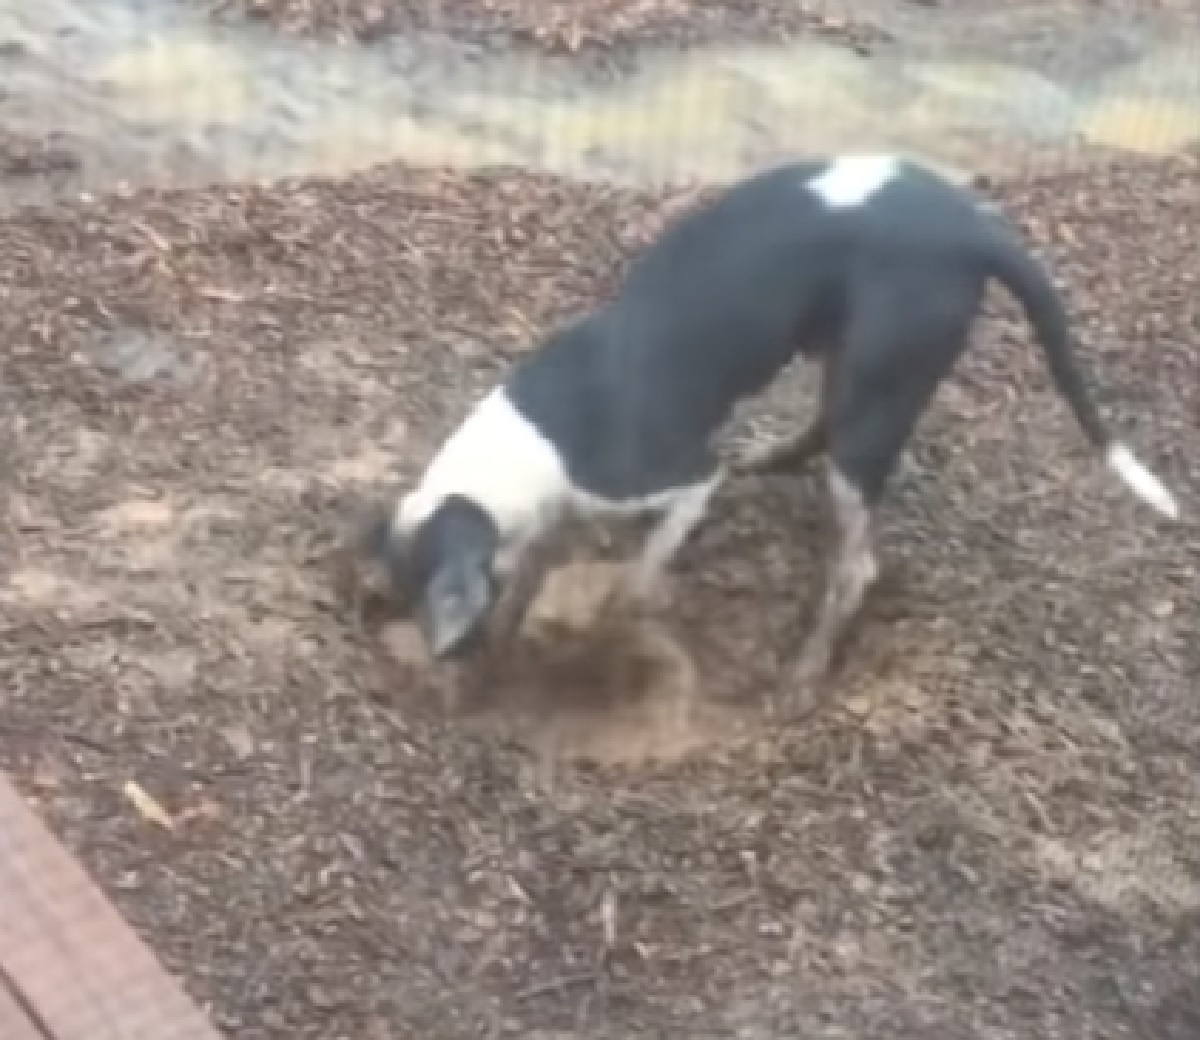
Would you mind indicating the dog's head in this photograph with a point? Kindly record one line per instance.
(442, 570)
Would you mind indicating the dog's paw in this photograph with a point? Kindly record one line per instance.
(801, 693)
(794, 702)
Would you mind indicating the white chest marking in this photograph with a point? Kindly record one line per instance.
(498, 460)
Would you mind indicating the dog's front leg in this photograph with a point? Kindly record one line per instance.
(524, 582)
(647, 583)
(469, 681)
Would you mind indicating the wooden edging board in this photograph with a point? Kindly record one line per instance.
(70, 966)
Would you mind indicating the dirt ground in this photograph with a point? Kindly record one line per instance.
(992, 833)
(615, 28)
(562, 26)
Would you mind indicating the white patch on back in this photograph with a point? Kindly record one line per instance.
(498, 460)
(850, 180)
(1141, 481)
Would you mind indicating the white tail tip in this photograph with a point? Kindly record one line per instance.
(1143, 483)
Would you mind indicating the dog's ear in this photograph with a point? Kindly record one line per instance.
(455, 604)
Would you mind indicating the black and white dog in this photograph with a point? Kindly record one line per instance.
(873, 266)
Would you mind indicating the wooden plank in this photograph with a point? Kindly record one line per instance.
(14, 1023)
(68, 953)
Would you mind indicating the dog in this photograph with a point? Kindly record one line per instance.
(873, 266)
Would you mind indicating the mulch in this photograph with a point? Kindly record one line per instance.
(615, 28)
(992, 832)
(561, 26)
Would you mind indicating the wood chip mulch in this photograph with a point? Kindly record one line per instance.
(562, 26)
(993, 832)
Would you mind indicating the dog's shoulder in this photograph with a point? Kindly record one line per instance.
(498, 459)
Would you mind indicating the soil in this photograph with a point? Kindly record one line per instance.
(37, 169)
(616, 29)
(562, 26)
(991, 832)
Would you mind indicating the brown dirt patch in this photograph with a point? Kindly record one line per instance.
(562, 26)
(992, 833)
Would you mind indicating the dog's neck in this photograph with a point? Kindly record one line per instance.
(499, 461)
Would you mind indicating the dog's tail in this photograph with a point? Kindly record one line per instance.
(1028, 281)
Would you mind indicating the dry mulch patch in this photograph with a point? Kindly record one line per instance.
(607, 26)
(992, 832)
(562, 26)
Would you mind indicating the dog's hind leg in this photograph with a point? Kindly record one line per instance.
(904, 334)
(852, 571)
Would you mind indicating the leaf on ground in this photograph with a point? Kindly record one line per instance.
(146, 806)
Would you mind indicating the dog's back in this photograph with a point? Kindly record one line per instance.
(723, 300)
